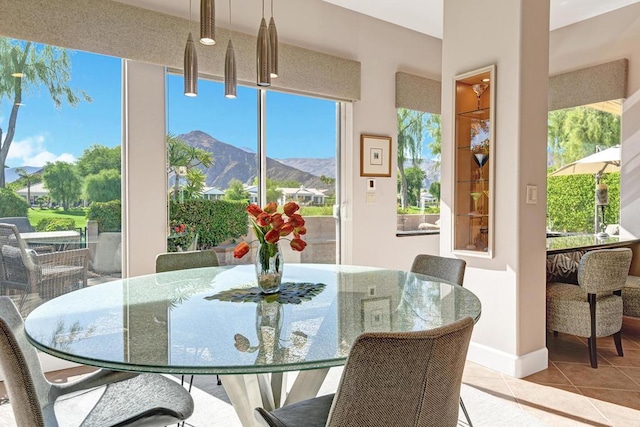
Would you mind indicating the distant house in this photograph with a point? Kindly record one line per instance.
(212, 193)
(306, 196)
(37, 190)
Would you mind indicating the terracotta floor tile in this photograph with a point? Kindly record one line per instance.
(556, 406)
(551, 375)
(619, 404)
(632, 372)
(631, 355)
(602, 377)
(474, 370)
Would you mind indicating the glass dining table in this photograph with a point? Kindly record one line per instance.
(214, 321)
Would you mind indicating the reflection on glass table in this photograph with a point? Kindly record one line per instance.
(176, 322)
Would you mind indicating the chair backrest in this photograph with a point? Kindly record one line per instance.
(448, 269)
(17, 265)
(22, 222)
(403, 378)
(604, 270)
(25, 382)
(170, 261)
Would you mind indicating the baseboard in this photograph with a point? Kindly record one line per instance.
(509, 364)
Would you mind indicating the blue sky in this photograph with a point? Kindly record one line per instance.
(298, 126)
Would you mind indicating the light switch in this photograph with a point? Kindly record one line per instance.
(532, 194)
(371, 197)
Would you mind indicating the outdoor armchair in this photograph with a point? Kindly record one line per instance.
(400, 379)
(49, 274)
(103, 398)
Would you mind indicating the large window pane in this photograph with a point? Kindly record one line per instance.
(62, 168)
(301, 167)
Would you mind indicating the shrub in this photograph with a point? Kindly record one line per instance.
(11, 204)
(56, 224)
(107, 214)
(214, 220)
(571, 200)
(103, 186)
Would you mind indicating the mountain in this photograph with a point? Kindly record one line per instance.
(317, 167)
(10, 174)
(231, 162)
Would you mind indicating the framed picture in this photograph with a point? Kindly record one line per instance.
(375, 155)
(376, 314)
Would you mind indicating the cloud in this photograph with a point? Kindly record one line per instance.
(31, 151)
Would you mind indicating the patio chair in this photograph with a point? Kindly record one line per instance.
(22, 222)
(448, 269)
(594, 308)
(103, 398)
(27, 271)
(390, 379)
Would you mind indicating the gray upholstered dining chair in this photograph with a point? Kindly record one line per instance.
(448, 269)
(172, 261)
(594, 308)
(103, 398)
(390, 379)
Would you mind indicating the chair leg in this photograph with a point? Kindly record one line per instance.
(466, 414)
(593, 353)
(555, 333)
(219, 380)
(617, 338)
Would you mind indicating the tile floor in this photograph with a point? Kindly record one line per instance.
(568, 393)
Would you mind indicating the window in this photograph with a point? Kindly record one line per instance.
(419, 139)
(63, 163)
(575, 134)
(300, 159)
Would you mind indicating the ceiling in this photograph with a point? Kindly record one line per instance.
(424, 16)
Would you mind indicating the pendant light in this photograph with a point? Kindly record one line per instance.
(207, 22)
(273, 41)
(263, 53)
(190, 64)
(230, 76)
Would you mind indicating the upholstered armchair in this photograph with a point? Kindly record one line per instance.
(594, 308)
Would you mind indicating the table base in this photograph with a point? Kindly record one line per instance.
(250, 391)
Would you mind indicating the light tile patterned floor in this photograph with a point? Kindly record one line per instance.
(568, 393)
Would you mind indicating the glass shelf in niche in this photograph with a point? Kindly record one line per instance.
(481, 114)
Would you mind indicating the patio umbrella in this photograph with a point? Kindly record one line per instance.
(604, 161)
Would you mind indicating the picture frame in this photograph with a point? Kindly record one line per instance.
(376, 314)
(375, 155)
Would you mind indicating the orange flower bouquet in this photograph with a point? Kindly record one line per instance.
(269, 226)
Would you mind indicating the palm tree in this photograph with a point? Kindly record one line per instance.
(29, 179)
(411, 128)
(183, 157)
(25, 67)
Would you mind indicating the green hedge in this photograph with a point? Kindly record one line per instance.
(214, 220)
(56, 224)
(11, 204)
(107, 214)
(571, 201)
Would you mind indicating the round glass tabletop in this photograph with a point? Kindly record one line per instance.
(211, 321)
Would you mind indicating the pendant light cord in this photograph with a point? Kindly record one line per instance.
(271, 8)
(263, 9)
(189, 16)
(230, 31)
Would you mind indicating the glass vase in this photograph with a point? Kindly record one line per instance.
(269, 267)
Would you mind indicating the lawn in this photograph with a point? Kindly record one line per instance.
(78, 215)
